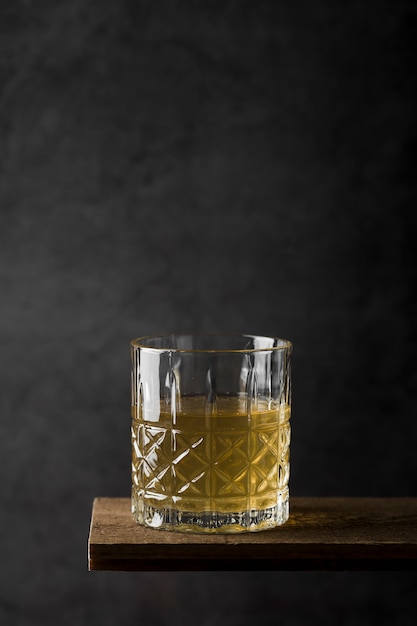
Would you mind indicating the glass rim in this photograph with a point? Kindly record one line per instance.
(284, 344)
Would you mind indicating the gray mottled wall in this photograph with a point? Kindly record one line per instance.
(186, 166)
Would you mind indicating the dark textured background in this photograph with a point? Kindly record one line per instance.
(184, 166)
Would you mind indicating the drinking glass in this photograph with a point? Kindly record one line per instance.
(210, 432)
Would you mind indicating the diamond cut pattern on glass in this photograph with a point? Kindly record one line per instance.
(284, 454)
(230, 463)
(190, 463)
(154, 461)
(264, 461)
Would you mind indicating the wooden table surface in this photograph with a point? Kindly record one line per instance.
(321, 534)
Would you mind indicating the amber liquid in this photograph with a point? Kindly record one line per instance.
(211, 458)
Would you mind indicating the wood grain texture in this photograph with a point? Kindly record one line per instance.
(321, 534)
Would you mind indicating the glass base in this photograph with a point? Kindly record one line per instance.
(165, 518)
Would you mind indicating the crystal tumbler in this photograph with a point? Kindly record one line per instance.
(210, 432)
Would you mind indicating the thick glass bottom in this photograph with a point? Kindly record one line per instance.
(167, 518)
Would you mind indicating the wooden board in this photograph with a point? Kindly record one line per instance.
(321, 534)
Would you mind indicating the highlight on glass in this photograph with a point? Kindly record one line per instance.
(210, 432)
